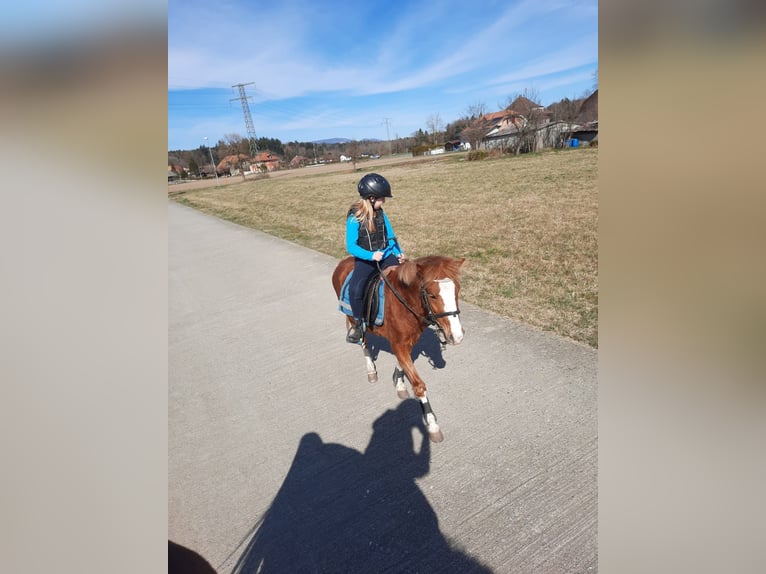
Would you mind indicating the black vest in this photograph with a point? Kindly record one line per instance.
(375, 240)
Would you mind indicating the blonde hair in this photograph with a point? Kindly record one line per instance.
(363, 212)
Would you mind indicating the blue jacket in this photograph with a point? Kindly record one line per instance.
(352, 234)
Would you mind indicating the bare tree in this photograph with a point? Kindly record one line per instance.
(523, 111)
(353, 151)
(476, 110)
(435, 125)
(474, 132)
(475, 126)
(238, 146)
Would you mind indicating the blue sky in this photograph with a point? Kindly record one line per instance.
(370, 69)
(45, 21)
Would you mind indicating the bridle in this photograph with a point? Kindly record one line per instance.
(430, 318)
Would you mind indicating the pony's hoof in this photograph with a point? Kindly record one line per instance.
(372, 377)
(437, 436)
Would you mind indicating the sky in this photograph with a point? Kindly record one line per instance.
(44, 21)
(367, 70)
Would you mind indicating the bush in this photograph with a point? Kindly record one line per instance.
(477, 155)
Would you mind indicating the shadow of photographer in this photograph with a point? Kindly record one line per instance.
(339, 510)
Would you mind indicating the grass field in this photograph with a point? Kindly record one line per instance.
(527, 225)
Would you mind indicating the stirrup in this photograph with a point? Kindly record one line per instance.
(355, 333)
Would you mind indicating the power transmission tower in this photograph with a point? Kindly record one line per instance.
(388, 135)
(248, 118)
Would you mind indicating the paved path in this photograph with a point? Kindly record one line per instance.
(269, 408)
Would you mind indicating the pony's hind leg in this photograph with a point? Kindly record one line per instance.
(401, 388)
(372, 372)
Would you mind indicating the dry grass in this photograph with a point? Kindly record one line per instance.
(526, 225)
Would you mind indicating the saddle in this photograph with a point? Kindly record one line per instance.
(373, 299)
(373, 293)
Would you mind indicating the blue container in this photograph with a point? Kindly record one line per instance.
(574, 142)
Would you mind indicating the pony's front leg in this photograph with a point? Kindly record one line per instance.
(372, 372)
(419, 388)
(434, 432)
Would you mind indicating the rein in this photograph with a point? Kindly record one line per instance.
(430, 318)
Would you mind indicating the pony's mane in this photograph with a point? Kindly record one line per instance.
(428, 268)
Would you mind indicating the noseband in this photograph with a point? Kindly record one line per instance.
(431, 317)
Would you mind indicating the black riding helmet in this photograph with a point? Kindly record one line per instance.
(374, 185)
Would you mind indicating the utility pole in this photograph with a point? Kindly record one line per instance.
(248, 118)
(212, 161)
(388, 135)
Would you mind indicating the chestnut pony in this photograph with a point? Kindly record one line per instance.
(418, 293)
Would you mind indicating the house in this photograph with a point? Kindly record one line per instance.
(589, 109)
(527, 126)
(587, 119)
(267, 160)
(231, 164)
(586, 134)
(521, 127)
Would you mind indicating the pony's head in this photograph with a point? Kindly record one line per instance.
(439, 278)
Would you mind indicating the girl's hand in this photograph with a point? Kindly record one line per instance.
(401, 257)
(377, 256)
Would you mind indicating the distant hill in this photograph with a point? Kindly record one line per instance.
(343, 140)
(332, 141)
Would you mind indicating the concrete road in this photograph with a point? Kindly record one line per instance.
(274, 429)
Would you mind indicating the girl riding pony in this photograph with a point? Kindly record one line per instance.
(371, 240)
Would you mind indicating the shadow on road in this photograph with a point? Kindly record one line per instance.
(427, 346)
(183, 560)
(340, 510)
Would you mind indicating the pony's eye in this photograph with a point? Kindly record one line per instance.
(432, 296)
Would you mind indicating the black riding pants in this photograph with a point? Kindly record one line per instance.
(362, 271)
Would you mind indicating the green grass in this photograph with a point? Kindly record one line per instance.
(526, 225)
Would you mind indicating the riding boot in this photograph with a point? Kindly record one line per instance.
(356, 332)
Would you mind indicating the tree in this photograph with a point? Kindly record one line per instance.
(238, 147)
(474, 132)
(353, 151)
(528, 116)
(435, 125)
(565, 111)
(193, 167)
(419, 137)
(454, 129)
(476, 110)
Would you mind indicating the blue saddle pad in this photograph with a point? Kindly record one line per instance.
(344, 303)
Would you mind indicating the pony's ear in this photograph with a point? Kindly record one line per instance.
(461, 260)
(408, 272)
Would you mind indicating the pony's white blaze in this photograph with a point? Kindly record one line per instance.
(447, 293)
